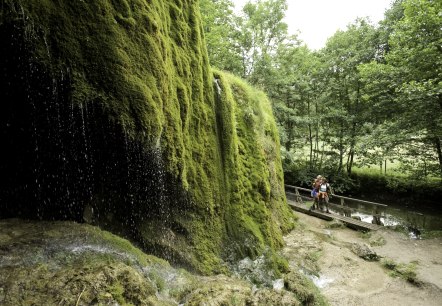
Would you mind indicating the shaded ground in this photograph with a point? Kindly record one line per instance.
(347, 279)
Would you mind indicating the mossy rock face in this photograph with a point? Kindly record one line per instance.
(221, 290)
(65, 263)
(304, 289)
(60, 263)
(111, 115)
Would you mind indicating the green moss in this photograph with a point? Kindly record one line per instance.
(53, 263)
(335, 224)
(220, 290)
(64, 263)
(145, 63)
(50, 271)
(258, 214)
(304, 289)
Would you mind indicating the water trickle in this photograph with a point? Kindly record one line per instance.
(70, 157)
(278, 284)
(218, 86)
(321, 281)
(257, 272)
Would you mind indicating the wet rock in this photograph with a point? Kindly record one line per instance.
(363, 251)
(335, 224)
(303, 288)
(65, 263)
(222, 290)
(255, 271)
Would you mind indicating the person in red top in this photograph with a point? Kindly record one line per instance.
(315, 191)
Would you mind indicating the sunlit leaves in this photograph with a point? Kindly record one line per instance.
(406, 88)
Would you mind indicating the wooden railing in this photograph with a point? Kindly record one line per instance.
(377, 209)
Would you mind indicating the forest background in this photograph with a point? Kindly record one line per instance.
(365, 110)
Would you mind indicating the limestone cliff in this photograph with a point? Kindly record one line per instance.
(112, 114)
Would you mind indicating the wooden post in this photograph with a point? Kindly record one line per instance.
(298, 196)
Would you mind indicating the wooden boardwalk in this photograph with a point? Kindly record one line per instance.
(350, 222)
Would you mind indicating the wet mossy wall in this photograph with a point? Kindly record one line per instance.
(111, 114)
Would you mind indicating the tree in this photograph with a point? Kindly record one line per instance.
(221, 33)
(420, 61)
(346, 112)
(406, 85)
(261, 32)
(292, 91)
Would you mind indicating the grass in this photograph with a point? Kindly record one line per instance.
(365, 235)
(314, 256)
(431, 234)
(376, 172)
(335, 224)
(393, 172)
(402, 270)
(373, 241)
(399, 229)
(378, 241)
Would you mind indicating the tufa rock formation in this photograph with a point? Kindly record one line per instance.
(112, 115)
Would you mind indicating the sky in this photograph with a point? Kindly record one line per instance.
(318, 20)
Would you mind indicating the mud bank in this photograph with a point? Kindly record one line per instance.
(324, 252)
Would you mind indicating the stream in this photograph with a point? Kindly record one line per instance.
(416, 217)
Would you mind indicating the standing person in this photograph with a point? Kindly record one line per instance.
(314, 193)
(323, 193)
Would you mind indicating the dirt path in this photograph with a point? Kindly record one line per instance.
(347, 279)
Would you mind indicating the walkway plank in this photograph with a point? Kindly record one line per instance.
(350, 222)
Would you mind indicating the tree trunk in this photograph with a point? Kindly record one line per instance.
(289, 141)
(351, 155)
(310, 136)
(437, 144)
(341, 147)
(316, 151)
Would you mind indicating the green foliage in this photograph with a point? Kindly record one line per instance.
(335, 224)
(377, 241)
(346, 112)
(300, 174)
(371, 95)
(314, 256)
(244, 44)
(396, 186)
(261, 32)
(219, 24)
(408, 84)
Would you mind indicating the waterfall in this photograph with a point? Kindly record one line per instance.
(66, 159)
(218, 86)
